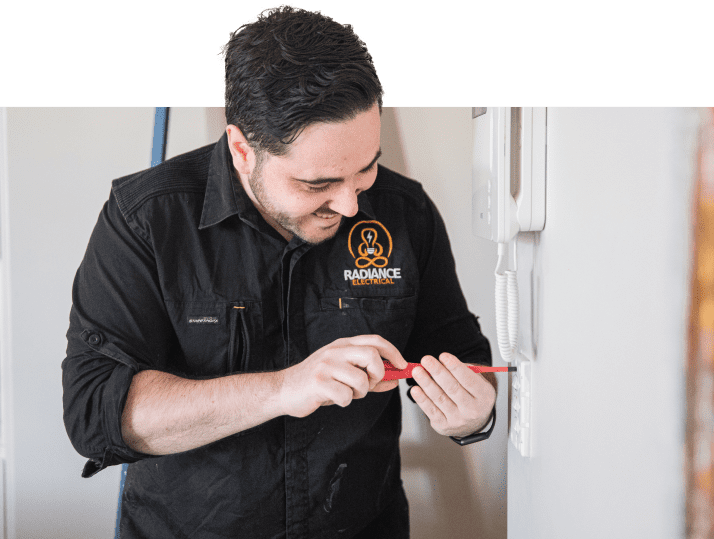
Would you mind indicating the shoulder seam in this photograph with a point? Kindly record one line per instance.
(132, 191)
(128, 203)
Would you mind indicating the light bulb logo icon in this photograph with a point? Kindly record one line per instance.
(369, 239)
(370, 250)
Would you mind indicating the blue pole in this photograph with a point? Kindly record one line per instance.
(158, 146)
(158, 154)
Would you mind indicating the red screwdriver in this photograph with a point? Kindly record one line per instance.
(392, 373)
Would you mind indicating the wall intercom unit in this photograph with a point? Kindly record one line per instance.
(508, 175)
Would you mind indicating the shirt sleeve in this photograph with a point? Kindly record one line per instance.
(118, 327)
(443, 321)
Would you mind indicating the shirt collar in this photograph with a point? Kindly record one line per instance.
(364, 206)
(220, 201)
(225, 197)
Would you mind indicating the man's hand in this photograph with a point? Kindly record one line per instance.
(343, 370)
(456, 400)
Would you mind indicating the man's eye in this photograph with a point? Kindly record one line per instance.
(318, 188)
(371, 167)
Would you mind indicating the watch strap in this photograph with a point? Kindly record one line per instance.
(477, 436)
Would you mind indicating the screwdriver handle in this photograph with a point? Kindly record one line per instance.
(392, 373)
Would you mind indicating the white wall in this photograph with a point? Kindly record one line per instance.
(60, 165)
(612, 266)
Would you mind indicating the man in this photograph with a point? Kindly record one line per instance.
(234, 305)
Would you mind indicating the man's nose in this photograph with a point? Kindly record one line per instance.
(345, 201)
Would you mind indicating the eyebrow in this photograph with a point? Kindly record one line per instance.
(335, 180)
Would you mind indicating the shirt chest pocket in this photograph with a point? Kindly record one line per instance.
(217, 338)
(391, 317)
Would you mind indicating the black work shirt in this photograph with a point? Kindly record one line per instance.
(183, 275)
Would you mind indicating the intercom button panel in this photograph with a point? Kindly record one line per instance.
(521, 407)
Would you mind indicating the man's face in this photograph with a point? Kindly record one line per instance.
(308, 191)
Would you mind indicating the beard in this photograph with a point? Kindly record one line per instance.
(291, 224)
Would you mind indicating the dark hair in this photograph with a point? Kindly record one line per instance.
(292, 68)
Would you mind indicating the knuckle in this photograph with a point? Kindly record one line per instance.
(339, 400)
(360, 390)
(321, 375)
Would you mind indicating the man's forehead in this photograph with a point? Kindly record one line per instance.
(334, 144)
(317, 125)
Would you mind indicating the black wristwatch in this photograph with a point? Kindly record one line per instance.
(477, 436)
(471, 438)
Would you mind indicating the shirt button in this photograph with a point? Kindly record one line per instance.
(94, 339)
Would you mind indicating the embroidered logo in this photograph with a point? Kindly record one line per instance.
(370, 244)
(203, 320)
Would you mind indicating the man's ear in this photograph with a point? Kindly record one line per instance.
(243, 155)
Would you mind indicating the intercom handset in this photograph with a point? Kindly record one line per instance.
(508, 175)
(508, 172)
